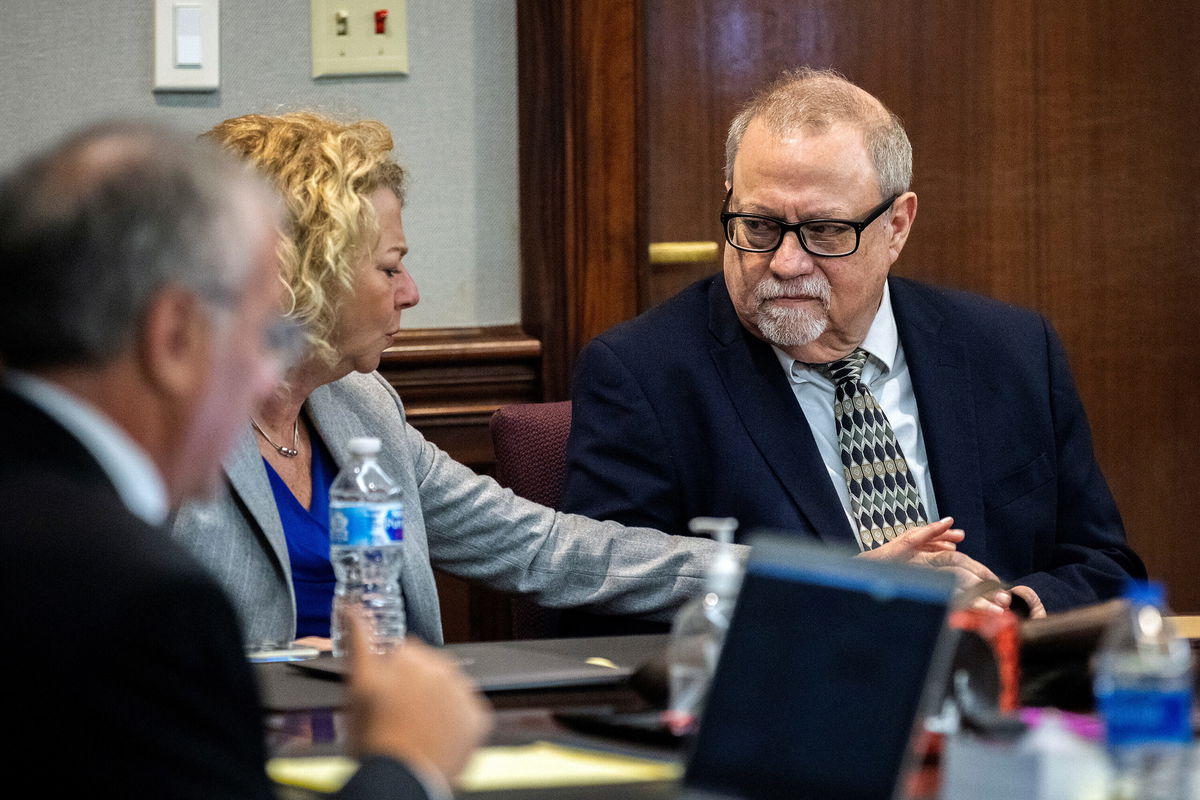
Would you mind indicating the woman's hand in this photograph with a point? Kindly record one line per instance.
(936, 545)
(916, 545)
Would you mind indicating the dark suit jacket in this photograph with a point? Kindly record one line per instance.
(682, 412)
(126, 675)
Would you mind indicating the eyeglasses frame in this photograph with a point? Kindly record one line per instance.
(795, 227)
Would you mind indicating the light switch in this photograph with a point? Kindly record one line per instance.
(359, 37)
(187, 47)
(189, 21)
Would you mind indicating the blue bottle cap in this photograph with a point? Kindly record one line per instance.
(1151, 593)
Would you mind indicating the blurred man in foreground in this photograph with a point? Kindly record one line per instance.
(139, 324)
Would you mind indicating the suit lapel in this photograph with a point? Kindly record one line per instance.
(943, 386)
(249, 481)
(768, 410)
(333, 423)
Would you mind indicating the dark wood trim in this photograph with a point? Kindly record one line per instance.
(452, 379)
(452, 344)
(578, 83)
(541, 162)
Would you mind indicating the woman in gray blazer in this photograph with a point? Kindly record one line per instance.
(342, 265)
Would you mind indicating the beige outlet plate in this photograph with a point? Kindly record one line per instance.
(344, 41)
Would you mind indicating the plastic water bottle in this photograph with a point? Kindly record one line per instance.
(366, 531)
(1143, 689)
(698, 631)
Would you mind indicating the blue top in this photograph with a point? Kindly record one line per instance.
(307, 532)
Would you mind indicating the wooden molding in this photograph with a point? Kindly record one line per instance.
(438, 345)
(453, 379)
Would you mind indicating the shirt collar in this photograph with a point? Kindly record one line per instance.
(881, 342)
(127, 465)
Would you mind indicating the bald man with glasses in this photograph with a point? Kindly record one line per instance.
(804, 388)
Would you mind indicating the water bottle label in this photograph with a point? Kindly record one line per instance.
(1133, 716)
(366, 525)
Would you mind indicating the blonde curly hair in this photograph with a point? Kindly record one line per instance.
(325, 169)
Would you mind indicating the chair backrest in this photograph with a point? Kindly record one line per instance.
(531, 459)
(531, 449)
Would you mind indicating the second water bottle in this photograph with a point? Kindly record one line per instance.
(1144, 693)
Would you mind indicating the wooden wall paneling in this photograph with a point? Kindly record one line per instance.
(1117, 169)
(580, 239)
(693, 59)
(542, 163)
(452, 379)
(603, 232)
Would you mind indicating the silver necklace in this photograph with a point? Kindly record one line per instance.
(286, 452)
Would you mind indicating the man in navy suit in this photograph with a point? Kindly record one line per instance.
(139, 324)
(721, 400)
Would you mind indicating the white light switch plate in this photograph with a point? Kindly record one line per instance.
(187, 45)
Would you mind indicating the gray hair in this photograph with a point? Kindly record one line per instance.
(93, 228)
(816, 99)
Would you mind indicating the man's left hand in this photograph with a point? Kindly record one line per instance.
(1036, 609)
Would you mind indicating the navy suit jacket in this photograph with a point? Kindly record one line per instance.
(132, 681)
(682, 412)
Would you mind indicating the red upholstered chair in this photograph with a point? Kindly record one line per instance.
(531, 449)
(531, 459)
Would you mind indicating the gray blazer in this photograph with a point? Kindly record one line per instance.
(460, 522)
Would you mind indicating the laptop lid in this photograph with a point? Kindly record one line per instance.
(821, 677)
(508, 666)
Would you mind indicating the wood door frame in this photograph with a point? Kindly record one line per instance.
(578, 90)
(579, 83)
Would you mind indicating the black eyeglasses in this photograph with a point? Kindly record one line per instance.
(827, 238)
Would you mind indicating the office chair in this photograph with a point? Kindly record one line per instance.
(530, 441)
(531, 449)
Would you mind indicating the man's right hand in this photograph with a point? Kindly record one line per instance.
(413, 704)
(936, 545)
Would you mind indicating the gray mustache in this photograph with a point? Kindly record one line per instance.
(771, 289)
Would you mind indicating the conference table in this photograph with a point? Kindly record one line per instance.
(303, 717)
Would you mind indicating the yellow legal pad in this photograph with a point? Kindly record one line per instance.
(533, 765)
(1188, 625)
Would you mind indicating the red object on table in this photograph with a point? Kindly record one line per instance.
(1001, 632)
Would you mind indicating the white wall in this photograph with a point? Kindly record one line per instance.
(64, 63)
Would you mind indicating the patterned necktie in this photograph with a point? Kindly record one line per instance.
(883, 498)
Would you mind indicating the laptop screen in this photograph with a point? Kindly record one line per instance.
(821, 676)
